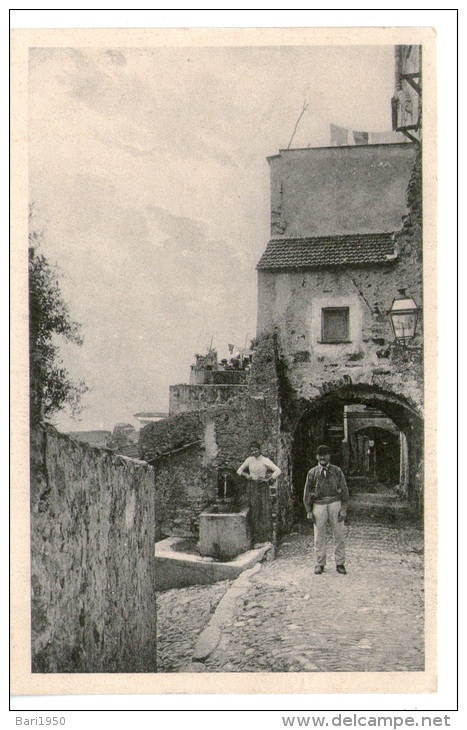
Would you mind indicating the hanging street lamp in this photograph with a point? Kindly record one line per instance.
(404, 315)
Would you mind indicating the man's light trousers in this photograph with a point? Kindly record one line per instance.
(325, 513)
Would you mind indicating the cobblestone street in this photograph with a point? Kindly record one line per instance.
(290, 620)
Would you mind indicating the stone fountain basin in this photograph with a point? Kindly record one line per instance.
(223, 535)
(177, 569)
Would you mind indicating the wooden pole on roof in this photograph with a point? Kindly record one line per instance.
(305, 107)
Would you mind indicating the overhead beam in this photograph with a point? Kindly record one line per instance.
(410, 78)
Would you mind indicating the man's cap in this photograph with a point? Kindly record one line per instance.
(323, 450)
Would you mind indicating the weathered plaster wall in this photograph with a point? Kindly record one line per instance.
(92, 546)
(331, 190)
(290, 304)
(185, 397)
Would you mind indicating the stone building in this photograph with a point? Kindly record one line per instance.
(207, 435)
(346, 237)
(211, 383)
(343, 242)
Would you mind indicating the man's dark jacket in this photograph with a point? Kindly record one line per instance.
(325, 485)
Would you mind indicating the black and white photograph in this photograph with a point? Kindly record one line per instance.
(231, 452)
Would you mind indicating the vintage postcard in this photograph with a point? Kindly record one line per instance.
(224, 311)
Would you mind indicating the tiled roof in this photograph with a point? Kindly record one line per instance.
(323, 251)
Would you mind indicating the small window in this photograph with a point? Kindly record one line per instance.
(335, 324)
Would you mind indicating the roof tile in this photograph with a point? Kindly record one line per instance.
(323, 251)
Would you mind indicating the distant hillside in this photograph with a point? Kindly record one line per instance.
(93, 438)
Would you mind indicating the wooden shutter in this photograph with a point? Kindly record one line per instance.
(335, 324)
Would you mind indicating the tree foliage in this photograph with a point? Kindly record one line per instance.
(51, 387)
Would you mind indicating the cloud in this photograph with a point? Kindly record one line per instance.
(184, 116)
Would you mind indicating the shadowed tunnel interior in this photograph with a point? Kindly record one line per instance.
(375, 437)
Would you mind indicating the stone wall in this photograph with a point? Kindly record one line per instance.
(92, 547)
(184, 397)
(183, 452)
(201, 376)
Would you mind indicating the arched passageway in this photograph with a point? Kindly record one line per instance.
(375, 437)
(375, 457)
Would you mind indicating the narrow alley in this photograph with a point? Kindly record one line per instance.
(286, 619)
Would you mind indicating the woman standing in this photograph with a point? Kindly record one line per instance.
(255, 469)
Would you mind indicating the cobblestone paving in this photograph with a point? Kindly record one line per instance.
(182, 614)
(291, 620)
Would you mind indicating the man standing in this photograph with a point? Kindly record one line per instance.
(325, 498)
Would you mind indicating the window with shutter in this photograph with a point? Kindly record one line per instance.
(335, 324)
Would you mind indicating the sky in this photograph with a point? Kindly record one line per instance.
(150, 183)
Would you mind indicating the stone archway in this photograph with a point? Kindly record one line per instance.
(321, 420)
